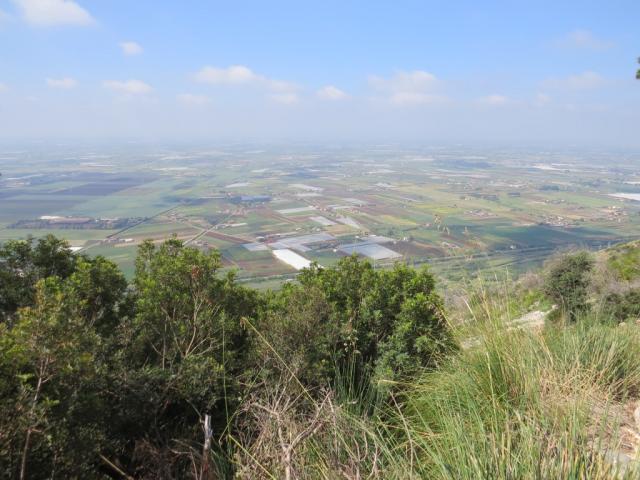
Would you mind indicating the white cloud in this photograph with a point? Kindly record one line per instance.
(132, 87)
(193, 99)
(580, 81)
(493, 99)
(233, 75)
(408, 88)
(63, 83)
(331, 93)
(285, 98)
(241, 75)
(131, 48)
(46, 13)
(584, 39)
(3, 87)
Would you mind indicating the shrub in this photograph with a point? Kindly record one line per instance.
(352, 324)
(567, 284)
(389, 323)
(623, 306)
(23, 263)
(297, 335)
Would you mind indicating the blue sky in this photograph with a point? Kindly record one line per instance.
(515, 71)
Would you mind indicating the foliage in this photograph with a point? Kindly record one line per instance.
(23, 263)
(296, 330)
(567, 284)
(184, 350)
(98, 291)
(389, 323)
(48, 365)
(623, 306)
(520, 404)
(348, 372)
(352, 324)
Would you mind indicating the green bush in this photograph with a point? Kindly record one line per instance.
(23, 263)
(386, 324)
(623, 306)
(296, 334)
(567, 284)
(351, 327)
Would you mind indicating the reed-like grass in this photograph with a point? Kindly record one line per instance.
(526, 405)
(519, 403)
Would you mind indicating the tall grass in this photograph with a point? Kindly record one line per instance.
(525, 405)
(519, 404)
(608, 354)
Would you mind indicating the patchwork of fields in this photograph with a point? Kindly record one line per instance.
(455, 208)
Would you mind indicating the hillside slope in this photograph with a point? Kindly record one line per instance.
(349, 372)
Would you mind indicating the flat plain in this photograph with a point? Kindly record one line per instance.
(457, 208)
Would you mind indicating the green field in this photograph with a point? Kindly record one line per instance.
(504, 212)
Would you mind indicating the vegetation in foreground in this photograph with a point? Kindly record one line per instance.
(349, 372)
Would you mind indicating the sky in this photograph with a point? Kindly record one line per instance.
(559, 72)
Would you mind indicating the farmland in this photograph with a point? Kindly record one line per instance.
(457, 208)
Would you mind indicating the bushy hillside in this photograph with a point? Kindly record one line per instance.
(349, 372)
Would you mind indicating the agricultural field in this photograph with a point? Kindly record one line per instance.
(458, 209)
